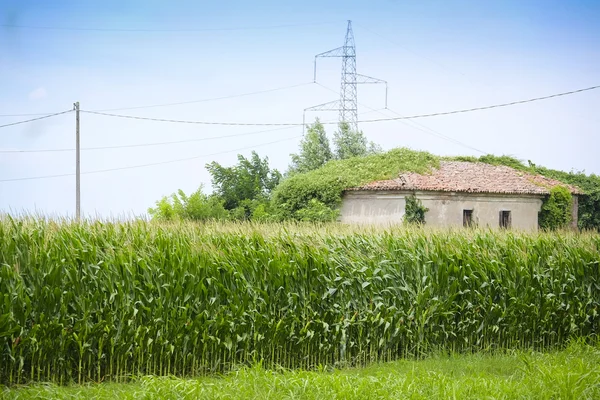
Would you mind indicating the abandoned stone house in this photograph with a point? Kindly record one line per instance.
(457, 194)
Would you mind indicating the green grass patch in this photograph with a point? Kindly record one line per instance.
(573, 373)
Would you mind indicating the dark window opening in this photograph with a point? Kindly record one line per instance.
(505, 220)
(467, 218)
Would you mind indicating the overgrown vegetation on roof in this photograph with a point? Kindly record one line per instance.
(327, 183)
(324, 186)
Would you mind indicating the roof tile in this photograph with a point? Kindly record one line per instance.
(471, 177)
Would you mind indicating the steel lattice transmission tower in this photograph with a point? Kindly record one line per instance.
(347, 105)
(348, 92)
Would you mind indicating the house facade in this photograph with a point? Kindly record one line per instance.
(457, 194)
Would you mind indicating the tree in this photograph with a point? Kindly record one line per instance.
(374, 148)
(197, 207)
(314, 150)
(246, 184)
(349, 143)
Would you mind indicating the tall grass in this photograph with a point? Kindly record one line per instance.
(97, 300)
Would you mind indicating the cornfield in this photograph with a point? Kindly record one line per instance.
(104, 301)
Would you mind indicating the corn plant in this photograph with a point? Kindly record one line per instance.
(99, 300)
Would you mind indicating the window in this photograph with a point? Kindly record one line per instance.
(467, 218)
(505, 219)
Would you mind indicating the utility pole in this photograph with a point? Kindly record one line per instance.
(77, 165)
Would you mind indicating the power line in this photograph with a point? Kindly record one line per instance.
(412, 51)
(431, 131)
(146, 144)
(423, 129)
(93, 29)
(35, 119)
(25, 115)
(489, 107)
(190, 122)
(149, 164)
(207, 100)
(154, 143)
(181, 102)
(363, 121)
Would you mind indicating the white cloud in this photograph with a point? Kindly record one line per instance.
(38, 93)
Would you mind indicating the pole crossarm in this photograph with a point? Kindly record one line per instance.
(365, 79)
(368, 79)
(329, 106)
(337, 52)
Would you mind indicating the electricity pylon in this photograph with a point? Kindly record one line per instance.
(347, 105)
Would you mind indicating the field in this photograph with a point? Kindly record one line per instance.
(573, 373)
(110, 301)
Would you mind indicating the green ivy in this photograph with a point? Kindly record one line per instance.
(316, 212)
(415, 211)
(556, 210)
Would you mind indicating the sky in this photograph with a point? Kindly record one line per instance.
(436, 56)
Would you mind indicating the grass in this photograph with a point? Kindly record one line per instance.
(573, 373)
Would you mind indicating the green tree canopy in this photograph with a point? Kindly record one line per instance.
(314, 150)
(349, 143)
(250, 180)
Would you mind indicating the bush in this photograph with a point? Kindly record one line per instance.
(316, 212)
(556, 211)
(415, 211)
(196, 207)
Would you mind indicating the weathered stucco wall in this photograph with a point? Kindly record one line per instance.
(445, 209)
(369, 207)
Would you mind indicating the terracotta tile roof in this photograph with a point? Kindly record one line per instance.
(471, 177)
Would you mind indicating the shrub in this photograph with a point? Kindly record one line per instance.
(316, 211)
(415, 211)
(556, 210)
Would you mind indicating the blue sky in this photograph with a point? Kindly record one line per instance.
(436, 56)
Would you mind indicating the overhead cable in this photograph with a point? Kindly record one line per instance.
(416, 125)
(59, 150)
(29, 178)
(146, 144)
(95, 29)
(207, 100)
(35, 119)
(363, 121)
(181, 102)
